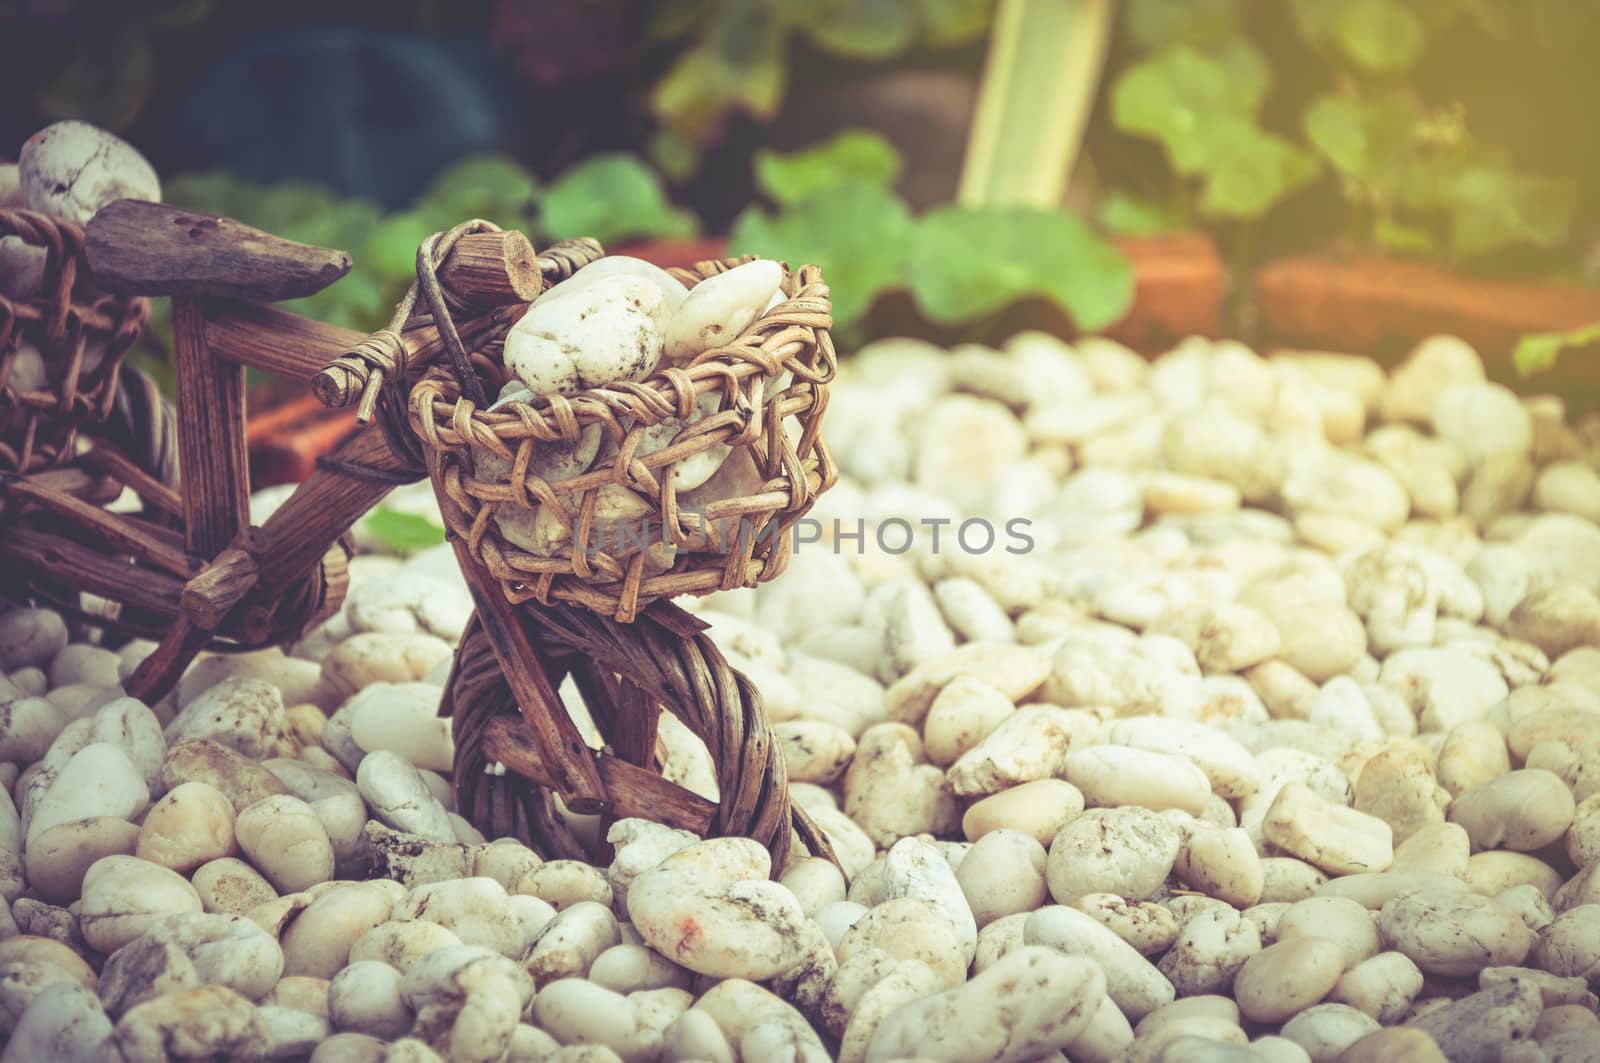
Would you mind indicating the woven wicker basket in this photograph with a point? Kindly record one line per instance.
(631, 537)
(80, 336)
(595, 609)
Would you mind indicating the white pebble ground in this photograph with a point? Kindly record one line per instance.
(1281, 744)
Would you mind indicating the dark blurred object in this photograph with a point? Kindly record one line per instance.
(88, 59)
(924, 113)
(554, 42)
(370, 113)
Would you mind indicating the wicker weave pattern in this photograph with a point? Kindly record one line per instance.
(687, 675)
(778, 430)
(70, 326)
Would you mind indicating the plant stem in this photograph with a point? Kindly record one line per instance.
(1039, 83)
(1182, 201)
(1239, 257)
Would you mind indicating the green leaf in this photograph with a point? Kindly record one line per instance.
(1381, 35)
(1396, 236)
(1250, 171)
(1246, 68)
(1128, 215)
(674, 154)
(859, 233)
(392, 247)
(703, 84)
(674, 18)
(1155, 23)
(852, 155)
(863, 29)
(1537, 353)
(951, 22)
(1177, 97)
(1317, 20)
(492, 187)
(1365, 138)
(404, 533)
(969, 263)
(1495, 208)
(610, 197)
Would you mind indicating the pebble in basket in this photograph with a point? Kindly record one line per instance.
(635, 434)
(61, 341)
(649, 438)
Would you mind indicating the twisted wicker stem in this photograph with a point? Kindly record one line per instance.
(430, 256)
(657, 660)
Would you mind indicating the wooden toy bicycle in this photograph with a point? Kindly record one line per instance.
(190, 572)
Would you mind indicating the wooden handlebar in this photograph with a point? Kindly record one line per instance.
(134, 247)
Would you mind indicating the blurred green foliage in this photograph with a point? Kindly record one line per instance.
(735, 53)
(1539, 352)
(961, 264)
(401, 532)
(1203, 108)
(858, 232)
(610, 197)
(1417, 180)
(850, 155)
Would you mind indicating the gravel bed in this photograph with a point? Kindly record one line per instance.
(1265, 729)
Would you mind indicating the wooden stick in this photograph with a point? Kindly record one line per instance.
(117, 531)
(299, 532)
(208, 598)
(635, 791)
(634, 719)
(277, 341)
(348, 378)
(74, 481)
(147, 487)
(491, 269)
(324, 507)
(158, 673)
(554, 737)
(139, 248)
(29, 553)
(211, 450)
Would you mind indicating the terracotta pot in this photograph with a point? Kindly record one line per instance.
(669, 253)
(286, 441)
(1179, 288)
(1384, 306)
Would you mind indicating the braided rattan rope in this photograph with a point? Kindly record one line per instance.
(382, 354)
(39, 427)
(689, 676)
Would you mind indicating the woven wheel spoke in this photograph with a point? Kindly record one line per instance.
(81, 337)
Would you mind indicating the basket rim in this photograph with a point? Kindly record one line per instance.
(714, 367)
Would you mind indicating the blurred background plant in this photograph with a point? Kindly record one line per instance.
(925, 146)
